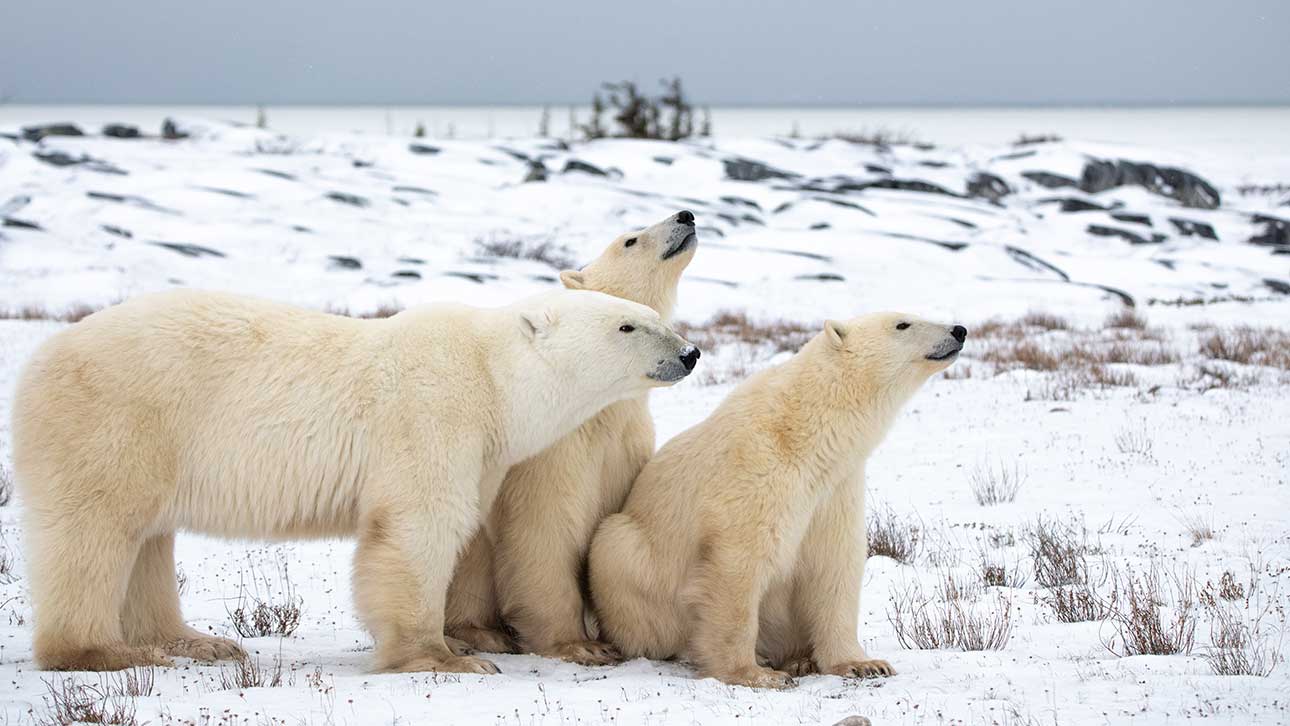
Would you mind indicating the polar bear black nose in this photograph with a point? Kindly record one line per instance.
(689, 358)
(685, 217)
(959, 332)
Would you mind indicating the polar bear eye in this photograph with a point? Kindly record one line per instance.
(901, 326)
(629, 242)
(626, 328)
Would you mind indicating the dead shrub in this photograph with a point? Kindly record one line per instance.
(1154, 613)
(1024, 354)
(1199, 527)
(539, 249)
(248, 673)
(891, 535)
(949, 620)
(69, 702)
(134, 682)
(1246, 345)
(1137, 354)
(1134, 441)
(997, 571)
(1229, 588)
(1031, 139)
(734, 326)
(72, 314)
(882, 138)
(6, 485)
(1126, 319)
(1045, 321)
(1078, 603)
(1212, 376)
(266, 608)
(992, 486)
(1239, 649)
(1059, 552)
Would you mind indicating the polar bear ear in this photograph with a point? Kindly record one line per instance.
(536, 323)
(573, 279)
(836, 331)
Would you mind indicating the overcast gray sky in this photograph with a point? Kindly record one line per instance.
(809, 52)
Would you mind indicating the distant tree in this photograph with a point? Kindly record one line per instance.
(594, 129)
(669, 116)
(261, 118)
(544, 123)
(573, 123)
(796, 132)
(420, 131)
(705, 129)
(681, 125)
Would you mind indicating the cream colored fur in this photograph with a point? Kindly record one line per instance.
(243, 418)
(742, 541)
(526, 568)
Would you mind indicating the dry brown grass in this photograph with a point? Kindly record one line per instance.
(996, 570)
(891, 535)
(954, 616)
(248, 673)
(993, 484)
(538, 249)
(69, 702)
(1125, 319)
(734, 326)
(1250, 346)
(1155, 612)
(264, 607)
(1060, 552)
(1199, 527)
(72, 314)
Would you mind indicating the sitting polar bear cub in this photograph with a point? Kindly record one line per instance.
(743, 539)
(237, 417)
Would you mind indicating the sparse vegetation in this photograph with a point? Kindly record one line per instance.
(992, 485)
(6, 485)
(265, 607)
(72, 314)
(1248, 346)
(1059, 552)
(734, 326)
(248, 673)
(955, 616)
(1127, 319)
(69, 702)
(882, 138)
(1031, 139)
(538, 249)
(1199, 527)
(1155, 612)
(1136, 441)
(384, 310)
(997, 571)
(891, 535)
(668, 116)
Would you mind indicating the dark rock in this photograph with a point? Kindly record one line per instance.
(1014, 155)
(782, 208)
(410, 274)
(361, 163)
(951, 246)
(301, 228)
(582, 166)
(1049, 180)
(171, 130)
(44, 131)
(424, 149)
(960, 222)
(278, 174)
(345, 263)
(62, 158)
(1071, 204)
(514, 154)
(479, 277)
(741, 169)
(905, 185)
(353, 200)
(934, 164)
(22, 224)
(823, 277)
(121, 131)
(189, 250)
(821, 225)
(1275, 231)
(1186, 187)
(844, 203)
(132, 200)
(227, 192)
(1131, 237)
(741, 201)
(664, 160)
(987, 186)
(876, 169)
(1027, 259)
(1280, 286)
(412, 260)
(118, 231)
(1132, 218)
(416, 190)
(1188, 228)
(537, 172)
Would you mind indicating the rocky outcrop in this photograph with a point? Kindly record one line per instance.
(1186, 187)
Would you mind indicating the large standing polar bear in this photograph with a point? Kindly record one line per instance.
(527, 566)
(743, 539)
(242, 418)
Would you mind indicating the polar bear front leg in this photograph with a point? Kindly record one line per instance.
(827, 585)
(402, 568)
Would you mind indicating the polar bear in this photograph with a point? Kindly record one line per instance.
(527, 567)
(742, 541)
(243, 418)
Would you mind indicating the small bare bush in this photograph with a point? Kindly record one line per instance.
(1229, 588)
(1199, 527)
(1238, 648)
(264, 608)
(1059, 552)
(1126, 319)
(1078, 603)
(1045, 321)
(134, 682)
(69, 702)
(997, 571)
(1212, 376)
(1134, 441)
(891, 535)
(1155, 613)
(734, 326)
(991, 485)
(6, 486)
(1248, 346)
(1031, 139)
(882, 138)
(248, 673)
(72, 314)
(950, 618)
(538, 249)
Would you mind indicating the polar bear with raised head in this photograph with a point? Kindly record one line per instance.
(527, 567)
(243, 418)
(742, 542)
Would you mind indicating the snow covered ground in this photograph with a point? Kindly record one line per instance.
(1139, 437)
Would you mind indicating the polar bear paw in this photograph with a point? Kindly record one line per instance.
(862, 669)
(205, 648)
(583, 652)
(758, 677)
(455, 664)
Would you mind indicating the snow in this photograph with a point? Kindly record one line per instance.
(1222, 455)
